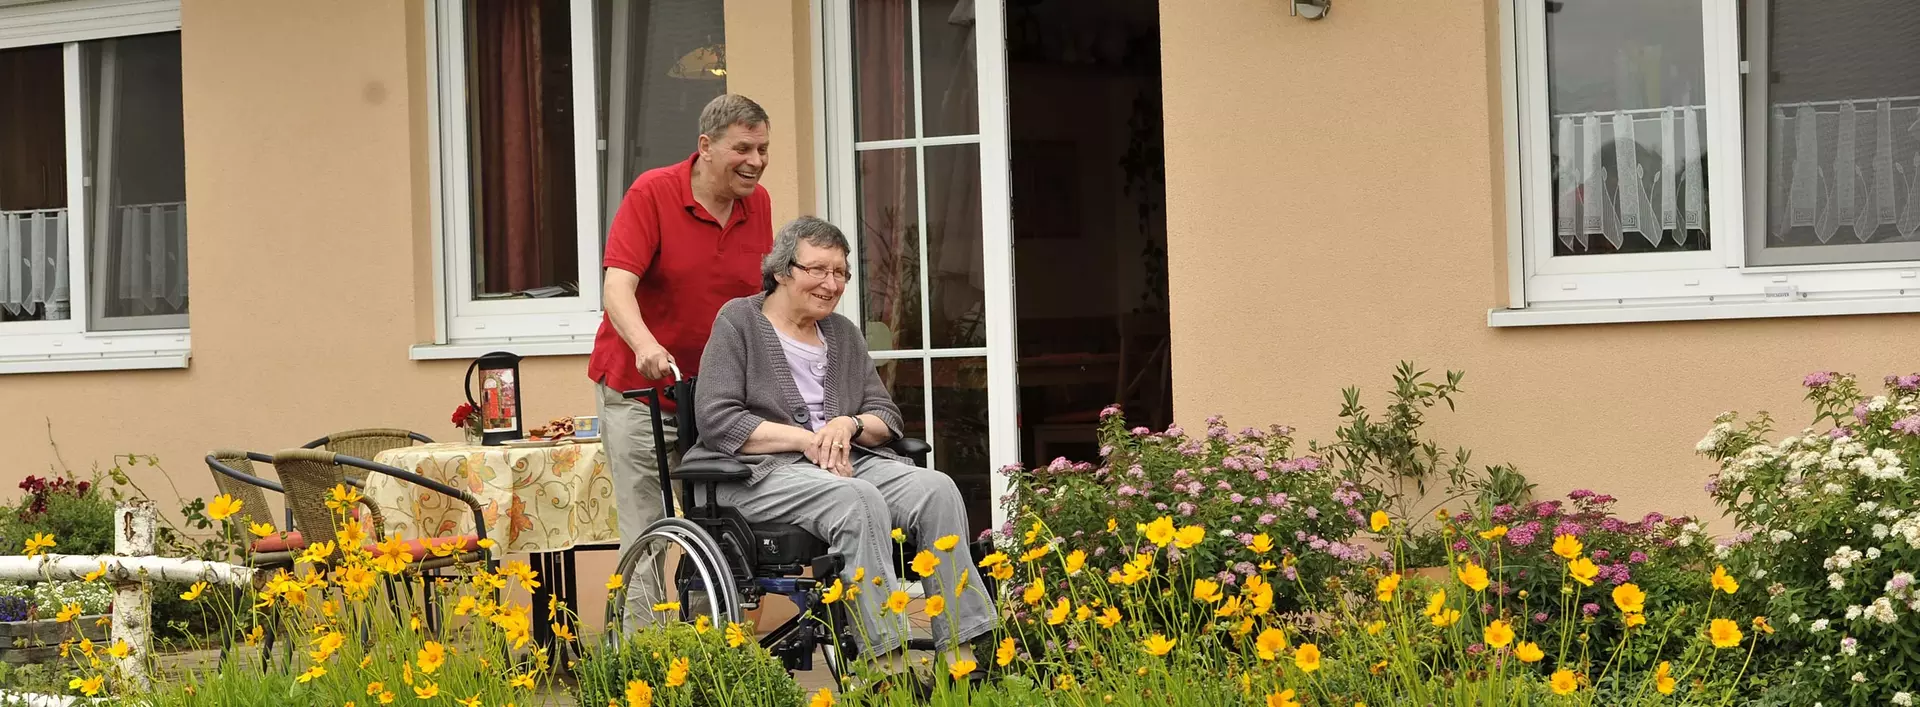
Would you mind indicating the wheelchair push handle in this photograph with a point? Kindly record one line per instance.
(642, 392)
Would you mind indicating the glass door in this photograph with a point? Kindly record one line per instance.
(915, 123)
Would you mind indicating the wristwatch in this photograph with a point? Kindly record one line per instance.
(858, 426)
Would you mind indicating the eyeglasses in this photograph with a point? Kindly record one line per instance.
(821, 273)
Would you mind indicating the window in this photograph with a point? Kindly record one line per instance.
(547, 111)
(1714, 158)
(93, 208)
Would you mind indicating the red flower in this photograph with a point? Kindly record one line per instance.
(460, 414)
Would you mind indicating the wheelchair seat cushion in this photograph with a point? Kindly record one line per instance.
(713, 470)
(785, 545)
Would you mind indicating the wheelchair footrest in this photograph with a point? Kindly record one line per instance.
(920, 644)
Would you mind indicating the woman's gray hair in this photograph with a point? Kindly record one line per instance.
(786, 246)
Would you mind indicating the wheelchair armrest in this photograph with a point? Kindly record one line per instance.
(912, 449)
(713, 470)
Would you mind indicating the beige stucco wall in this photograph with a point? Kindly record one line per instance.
(311, 258)
(1335, 206)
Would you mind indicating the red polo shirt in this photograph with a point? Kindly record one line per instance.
(689, 265)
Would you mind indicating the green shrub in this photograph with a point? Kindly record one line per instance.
(716, 674)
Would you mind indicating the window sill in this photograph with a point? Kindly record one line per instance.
(523, 346)
(72, 353)
(1633, 314)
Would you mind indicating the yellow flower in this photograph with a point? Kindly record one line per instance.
(1001, 572)
(1498, 531)
(1245, 627)
(835, 592)
(39, 544)
(1136, 569)
(1307, 658)
(1583, 571)
(937, 604)
(1270, 643)
(1034, 593)
(1160, 531)
(1232, 607)
(1206, 590)
(1436, 602)
(897, 601)
(1723, 581)
(427, 691)
(223, 506)
(119, 650)
(614, 582)
(485, 543)
(899, 535)
(1446, 618)
(1062, 682)
(666, 606)
(823, 698)
(924, 563)
(1108, 617)
(260, 530)
(1075, 561)
(961, 668)
(1760, 624)
(947, 543)
(736, 635)
(431, 657)
(1157, 644)
(342, 497)
(565, 632)
(1474, 576)
(1379, 521)
(68, 613)
(1058, 614)
(312, 674)
(1374, 629)
(1725, 633)
(90, 686)
(386, 697)
(1498, 634)
(317, 553)
(990, 561)
(677, 672)
(1005, 653)
(640, 694)
(466, 606)
(1634, 620)
(1388, 585)
(1567, 546)
(1112, 524)
(1563, 682)
(1663, 678)
(1261, 545)
(473, 701)
(1629, 598)
(1189, 536)
(96, 574)
(374, 688)
(1529, 652)
(394, 555)
(1283, 698)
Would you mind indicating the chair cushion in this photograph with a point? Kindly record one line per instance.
(784, 544)
(705, 470)
(280, 542)
(418, 546)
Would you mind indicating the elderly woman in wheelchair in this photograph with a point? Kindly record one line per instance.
(788, 390)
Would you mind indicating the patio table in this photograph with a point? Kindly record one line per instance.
(547, 502)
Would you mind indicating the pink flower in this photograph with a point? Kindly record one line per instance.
(1819, 379)
(1909, 424)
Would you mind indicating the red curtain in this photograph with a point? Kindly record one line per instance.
(522, 167)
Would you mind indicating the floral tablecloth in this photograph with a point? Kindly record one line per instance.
(538, 499)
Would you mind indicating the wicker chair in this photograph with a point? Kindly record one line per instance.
(366, 444)
(233, 473)
(310, 475)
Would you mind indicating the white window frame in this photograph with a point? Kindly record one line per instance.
(464, 327)
(1718, 283)
(68, 345)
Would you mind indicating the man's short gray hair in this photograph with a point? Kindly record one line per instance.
(786, 246)
(729, 110)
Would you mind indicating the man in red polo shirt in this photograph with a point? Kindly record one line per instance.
(688, 238)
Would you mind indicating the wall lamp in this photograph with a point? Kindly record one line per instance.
(1311, 9)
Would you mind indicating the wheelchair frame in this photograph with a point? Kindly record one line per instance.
(727, 546)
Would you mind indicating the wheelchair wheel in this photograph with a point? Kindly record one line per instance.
(673, 563)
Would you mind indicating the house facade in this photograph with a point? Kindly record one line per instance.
(249, 223)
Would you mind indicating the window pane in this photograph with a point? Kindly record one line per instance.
(1843, 158)
(33, 186)
(960, 433)
(660, 63)
(946, 65)
(955, 272)
(138, 195)
(520, 122)
(1627, 92)
(882, 69)
(889, 249)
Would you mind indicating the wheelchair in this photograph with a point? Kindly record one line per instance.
(714, 562)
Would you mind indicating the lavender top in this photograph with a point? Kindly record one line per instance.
(809, 366)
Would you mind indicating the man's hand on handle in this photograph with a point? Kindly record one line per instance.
(655, 363)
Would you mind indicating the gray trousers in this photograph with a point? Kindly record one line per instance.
(856, 516)
(626, 426)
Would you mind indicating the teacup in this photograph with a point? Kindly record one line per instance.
(586, 426)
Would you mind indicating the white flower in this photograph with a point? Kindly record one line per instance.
(1860, 678)
(1878, 403)
(1889, 513)
(1833, 488)
(1848, 646)
(1782, 536)
(1837, 582)
(1788, 443)
(1843, 558)
(1721, 551)
(1853, 612)
(1903, 699)
(1873, 553)
(1817, 626)
(1880, 531)
(1759, 573)
(1794, 619)
(1867, 506)
(1882, 611)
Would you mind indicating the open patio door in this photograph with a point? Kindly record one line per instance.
(916, 172)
